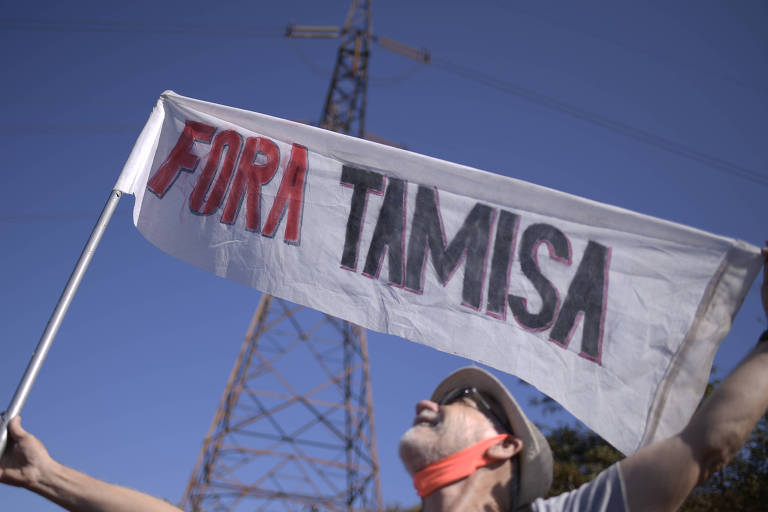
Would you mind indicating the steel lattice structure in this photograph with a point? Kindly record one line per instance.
(344, 109)
(293, 430)
(295, 427)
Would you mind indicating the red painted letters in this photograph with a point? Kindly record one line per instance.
(291, 191)
(181, 157)
(224, 160)
(231, 141)
(249, 178)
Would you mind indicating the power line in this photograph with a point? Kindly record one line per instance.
(62, 25)
(311, 66)
(70, 129)
(627, 130)
(478, 76)
(63, 216)
(378, 81)
(663, 58)
(396, 79)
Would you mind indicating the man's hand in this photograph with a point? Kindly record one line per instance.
(25, 458)
(26, 463)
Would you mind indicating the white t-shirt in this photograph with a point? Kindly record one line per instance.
(603, 494)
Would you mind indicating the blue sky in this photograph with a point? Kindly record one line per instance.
(660, 108)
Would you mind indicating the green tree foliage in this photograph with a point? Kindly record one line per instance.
(742, 486)
(579, 455)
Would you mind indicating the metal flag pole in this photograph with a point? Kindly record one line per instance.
(57, 317)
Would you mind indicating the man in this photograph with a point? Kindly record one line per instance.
(472, 448)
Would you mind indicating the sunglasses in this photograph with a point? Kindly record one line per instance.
(477, 397)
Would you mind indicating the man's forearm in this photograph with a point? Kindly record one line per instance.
(78, 492)
(728, 416)
(661, 475)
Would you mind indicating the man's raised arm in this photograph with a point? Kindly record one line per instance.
(26, 463)
(660, 476)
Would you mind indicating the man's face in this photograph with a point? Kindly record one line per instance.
(442, 430)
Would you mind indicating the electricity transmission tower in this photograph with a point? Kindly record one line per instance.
(344, 109)
(295, 429)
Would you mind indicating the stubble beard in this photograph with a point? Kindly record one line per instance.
(419, 447)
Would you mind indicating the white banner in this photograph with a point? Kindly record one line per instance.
(614, 314)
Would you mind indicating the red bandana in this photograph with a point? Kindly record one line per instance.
(455, 467)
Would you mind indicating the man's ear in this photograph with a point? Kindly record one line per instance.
(506, 449)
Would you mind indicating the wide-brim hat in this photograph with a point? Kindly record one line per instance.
(536, 457)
